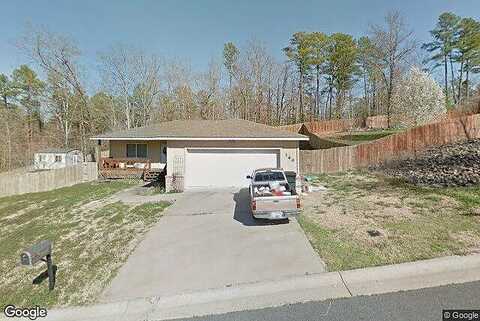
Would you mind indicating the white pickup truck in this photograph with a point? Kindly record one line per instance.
(271, 197)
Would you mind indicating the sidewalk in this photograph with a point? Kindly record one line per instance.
(316, 287)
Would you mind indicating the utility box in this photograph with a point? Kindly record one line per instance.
(36, 253)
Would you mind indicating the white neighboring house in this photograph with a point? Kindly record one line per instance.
(54, 158)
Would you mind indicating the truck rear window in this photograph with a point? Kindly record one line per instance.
(269, 176)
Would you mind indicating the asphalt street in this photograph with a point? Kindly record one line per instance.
(417, 305)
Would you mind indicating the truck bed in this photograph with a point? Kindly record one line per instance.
(275, 206)
(273, 199)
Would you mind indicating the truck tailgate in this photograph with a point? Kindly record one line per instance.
(276, 203)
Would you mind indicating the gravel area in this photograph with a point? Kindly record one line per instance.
(455, 164)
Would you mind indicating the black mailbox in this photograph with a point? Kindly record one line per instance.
(36, 253)
(42, 251)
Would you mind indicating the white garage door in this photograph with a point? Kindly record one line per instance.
(225, 167)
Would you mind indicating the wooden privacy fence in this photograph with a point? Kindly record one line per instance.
(326, 126)
(339, 125)
(41, 181)
(327, 160)
(390, 147)
(377, 122)
(291, 128)
(332, 126)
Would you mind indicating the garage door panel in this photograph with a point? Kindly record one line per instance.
(225, 167)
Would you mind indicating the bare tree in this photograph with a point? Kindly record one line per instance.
(57, 56)
(392, 45)
(282, 81)
(178, 97)
(61, 104)
(254, 85)
(120, 75)
(210, 97)
(147, 90)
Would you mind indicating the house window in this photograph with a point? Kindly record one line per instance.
(137, 150)
(131, 150)
(58, 158)
(41, 158)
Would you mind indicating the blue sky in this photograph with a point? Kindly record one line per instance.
(195, 30)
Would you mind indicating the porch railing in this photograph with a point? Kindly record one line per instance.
(124, 167)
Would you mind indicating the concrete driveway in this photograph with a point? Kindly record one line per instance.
(207, 239)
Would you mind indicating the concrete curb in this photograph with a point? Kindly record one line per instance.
(413, 275)
(317, 287)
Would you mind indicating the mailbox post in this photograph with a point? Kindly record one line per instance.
(51, 274)
(41, 251)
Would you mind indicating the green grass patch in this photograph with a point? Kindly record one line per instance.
(92, 238)
(415, 222)
(338, 252)
(353, 138)
(366, 136)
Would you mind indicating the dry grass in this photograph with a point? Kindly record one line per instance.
(358, 137)
(92, 236)
(365, 220)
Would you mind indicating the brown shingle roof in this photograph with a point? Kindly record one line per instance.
(208, 129)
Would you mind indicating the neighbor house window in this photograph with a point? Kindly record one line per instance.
(58, 158)
(137, 150)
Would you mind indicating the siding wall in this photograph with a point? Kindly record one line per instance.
(71, 158)
(176, 152)
(118, 149)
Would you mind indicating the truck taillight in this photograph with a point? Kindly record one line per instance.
(254, 205)
(298, 203)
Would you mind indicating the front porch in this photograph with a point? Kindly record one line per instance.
(130, 168)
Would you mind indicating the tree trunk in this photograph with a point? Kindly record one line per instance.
(127, 113)
(300, 89)
(330, 97)
(460, 82)
(389, 96)
(317, 93)
(452, 80)
(467, 79)
(374, 97)
(29, 123)
(365, 93)
(66, 123)
(340, 98)
(327, 104)
(9, 141)
(67, 130)
(445, 65)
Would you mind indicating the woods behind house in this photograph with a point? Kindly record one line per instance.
(52, 101)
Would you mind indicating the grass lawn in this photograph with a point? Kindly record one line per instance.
(366, 219)
(92, 238)
(357, 137)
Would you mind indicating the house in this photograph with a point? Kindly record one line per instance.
(202, 153)
(54, 158)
